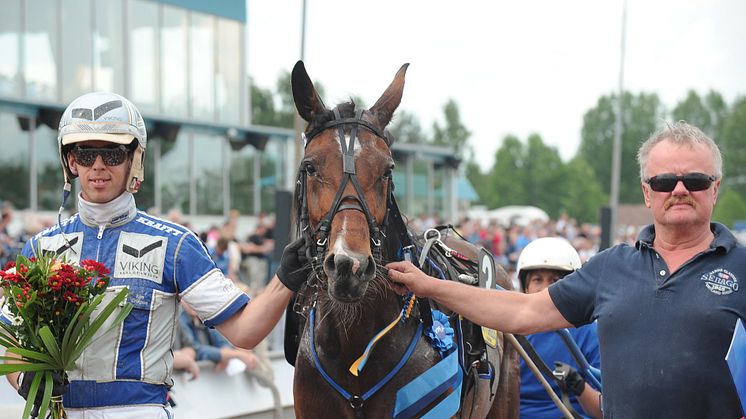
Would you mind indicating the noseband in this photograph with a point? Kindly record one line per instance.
(321, 232)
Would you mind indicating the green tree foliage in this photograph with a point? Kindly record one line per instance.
(534, 174)
(583, 196)
(275, 108)
(733, 147)
(454, 133)
(262, 106)
(504, 178)
(641, 115)
(406, 128)
(731, 207)
(543, 176)
(707, 113)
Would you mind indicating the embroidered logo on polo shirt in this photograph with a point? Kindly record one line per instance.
(720, 282)
(140, 256)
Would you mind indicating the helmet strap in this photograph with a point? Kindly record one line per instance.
(137, 170)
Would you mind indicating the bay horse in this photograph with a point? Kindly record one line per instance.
(346, 210)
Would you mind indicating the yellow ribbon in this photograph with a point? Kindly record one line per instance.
(359, 364)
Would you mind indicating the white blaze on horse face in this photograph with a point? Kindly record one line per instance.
(340, 246)
(346, 139)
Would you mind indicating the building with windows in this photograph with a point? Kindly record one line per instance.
(183, 63)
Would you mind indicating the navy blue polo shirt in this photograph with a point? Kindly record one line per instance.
(663, 335)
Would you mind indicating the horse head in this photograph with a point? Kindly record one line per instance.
(344, 183)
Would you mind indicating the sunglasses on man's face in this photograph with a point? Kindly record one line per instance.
(112, 156)
(693, 182)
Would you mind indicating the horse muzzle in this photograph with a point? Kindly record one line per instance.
(349, 275)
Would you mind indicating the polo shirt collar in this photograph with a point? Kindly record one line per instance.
(724, 239)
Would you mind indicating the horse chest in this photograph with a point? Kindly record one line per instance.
(315, 394)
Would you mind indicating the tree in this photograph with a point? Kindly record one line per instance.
(641, 115)
(262, 106)
(454, 133)
(407, 129)
(706, 114)
(731, 207)
(480, 181)
(583, 195)
(504, 176)
(542, 176)
(733, 147)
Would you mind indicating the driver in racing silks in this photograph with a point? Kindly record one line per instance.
(543, 262)
(126, 371)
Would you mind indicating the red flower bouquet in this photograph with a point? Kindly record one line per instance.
(51, 311)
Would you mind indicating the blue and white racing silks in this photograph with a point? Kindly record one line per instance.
(158, 261)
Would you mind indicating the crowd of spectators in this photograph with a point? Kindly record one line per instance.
(506, 242)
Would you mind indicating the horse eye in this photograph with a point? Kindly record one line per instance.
(309, 169)
(388, 173)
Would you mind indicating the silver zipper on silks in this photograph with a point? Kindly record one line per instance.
(100, 234)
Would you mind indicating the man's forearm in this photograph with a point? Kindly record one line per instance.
(251, 325)
(507, 311)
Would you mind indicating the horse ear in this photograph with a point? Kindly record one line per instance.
(389, 101)
(307, 100)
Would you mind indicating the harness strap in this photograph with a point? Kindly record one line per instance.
(357, 401)
(426, 388)
(344, 121)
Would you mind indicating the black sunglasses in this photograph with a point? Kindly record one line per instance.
(692, 182)
(112, 156)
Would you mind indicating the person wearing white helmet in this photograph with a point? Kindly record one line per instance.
(541, 263)
(666, 307)
(126, 372)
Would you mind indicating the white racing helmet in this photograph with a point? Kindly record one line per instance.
(108, 117)
(554, 253)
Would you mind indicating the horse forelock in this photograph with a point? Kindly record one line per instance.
(346, 110)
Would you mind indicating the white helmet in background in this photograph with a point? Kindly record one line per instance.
(553, 253)
(108, 117)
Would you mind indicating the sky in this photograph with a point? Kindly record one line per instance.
(534, 66)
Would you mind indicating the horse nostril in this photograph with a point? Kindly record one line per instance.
(329, 266)
(369, 268)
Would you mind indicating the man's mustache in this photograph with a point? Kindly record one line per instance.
(687, 200)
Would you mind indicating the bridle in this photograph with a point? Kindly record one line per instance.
(320, 235)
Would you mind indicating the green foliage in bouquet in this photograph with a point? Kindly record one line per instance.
(51, 311)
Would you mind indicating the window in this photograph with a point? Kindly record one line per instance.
(174, 61)
(14, 170)
(40, 50)
(10, 68)
(48, 169)
(175, 172)
(208, 172)
(242, 179)
(108, 49)
(77, 60)
(271, 174)
(202, 60)
(228, 76)
(142, 54)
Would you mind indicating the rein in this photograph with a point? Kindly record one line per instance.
(357, 401)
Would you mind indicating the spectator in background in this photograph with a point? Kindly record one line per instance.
(210, 345)
(222, 258)
(8, 245)
(257, 255)
(543, 262)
